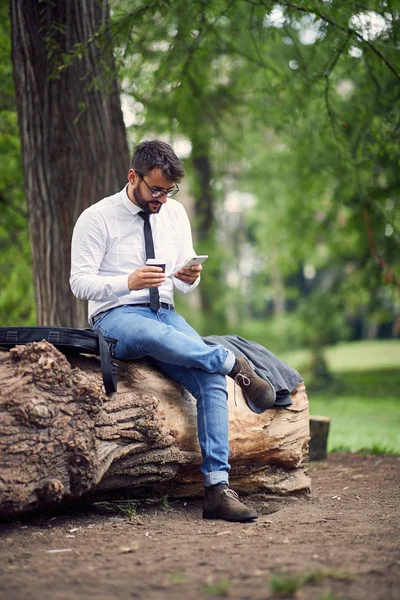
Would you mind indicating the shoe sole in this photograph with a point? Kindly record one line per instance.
(232, 519)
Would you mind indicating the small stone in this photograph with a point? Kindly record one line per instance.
(126, 549)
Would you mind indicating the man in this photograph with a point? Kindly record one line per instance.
(133, 303)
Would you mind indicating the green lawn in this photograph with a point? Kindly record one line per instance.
(365, 407)
(353, 356)
(359, 423)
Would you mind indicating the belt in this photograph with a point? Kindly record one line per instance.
(147, 304)
(164, 305)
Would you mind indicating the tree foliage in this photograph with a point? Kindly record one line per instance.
(297, 103)
(16, 282)
(291, 111)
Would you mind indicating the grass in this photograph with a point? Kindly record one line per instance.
(129, 509)
(220, 588)
(177, 577)
(164, 503)
(365, 416)
(364, 402)
(353, 356)
(283, 585)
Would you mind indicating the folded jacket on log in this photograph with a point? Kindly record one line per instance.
(283, 378)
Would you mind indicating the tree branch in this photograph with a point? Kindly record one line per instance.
(348, 30)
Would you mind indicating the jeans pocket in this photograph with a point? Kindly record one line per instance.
(99, 318)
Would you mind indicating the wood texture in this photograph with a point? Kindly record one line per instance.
(60, 437)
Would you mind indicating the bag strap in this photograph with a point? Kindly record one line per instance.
(108, 368)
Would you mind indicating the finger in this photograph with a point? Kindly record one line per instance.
(151, 269)
(156, 277)
(187, 279)
(152, 282)
(188, 272)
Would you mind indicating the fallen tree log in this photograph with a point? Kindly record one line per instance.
(61, 437)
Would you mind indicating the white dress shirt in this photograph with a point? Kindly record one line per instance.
(108, 245)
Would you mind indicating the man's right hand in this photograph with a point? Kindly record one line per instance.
(146, 277)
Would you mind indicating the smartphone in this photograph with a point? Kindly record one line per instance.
(196, 260)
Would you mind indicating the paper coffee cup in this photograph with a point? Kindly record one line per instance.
(155, 262)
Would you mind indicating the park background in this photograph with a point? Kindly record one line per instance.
(287, 118)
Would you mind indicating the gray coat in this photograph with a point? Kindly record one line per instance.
(283, 378)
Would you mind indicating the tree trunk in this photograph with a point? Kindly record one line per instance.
(60, 437)
(72, 133)
(278, 286)
(213, 289)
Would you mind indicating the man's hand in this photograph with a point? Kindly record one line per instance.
(146, 277)
(189, 275)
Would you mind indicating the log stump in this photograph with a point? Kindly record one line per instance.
(61, 437)
(319, 431)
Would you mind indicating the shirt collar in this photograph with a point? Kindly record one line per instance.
(127, 203)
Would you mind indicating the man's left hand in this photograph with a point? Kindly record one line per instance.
(189, 275)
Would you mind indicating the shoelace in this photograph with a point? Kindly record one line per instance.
(231, 493)
(242, 378)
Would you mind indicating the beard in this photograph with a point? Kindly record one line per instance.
(144, 204)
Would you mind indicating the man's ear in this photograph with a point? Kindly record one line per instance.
(132, 176)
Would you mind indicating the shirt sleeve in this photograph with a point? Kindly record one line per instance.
(186, 252)
(89, 243)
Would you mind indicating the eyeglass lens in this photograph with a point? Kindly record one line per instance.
(159, 193)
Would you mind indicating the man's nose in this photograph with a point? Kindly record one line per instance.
(163, 198)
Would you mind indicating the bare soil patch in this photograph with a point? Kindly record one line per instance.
(343, 542)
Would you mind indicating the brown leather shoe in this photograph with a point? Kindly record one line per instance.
(220, 502)
(258, 393)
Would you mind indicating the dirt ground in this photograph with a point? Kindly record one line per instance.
(343, 543)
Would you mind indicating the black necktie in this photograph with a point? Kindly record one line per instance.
(148, 241)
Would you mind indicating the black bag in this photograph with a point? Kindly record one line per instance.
(68, 341)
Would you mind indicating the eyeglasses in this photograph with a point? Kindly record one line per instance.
(157, 193)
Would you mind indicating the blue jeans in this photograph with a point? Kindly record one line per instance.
(179, 351)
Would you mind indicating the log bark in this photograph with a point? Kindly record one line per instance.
(61, 437)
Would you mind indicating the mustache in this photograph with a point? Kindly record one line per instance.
(159, 205)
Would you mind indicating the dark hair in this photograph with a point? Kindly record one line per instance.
(155, 154)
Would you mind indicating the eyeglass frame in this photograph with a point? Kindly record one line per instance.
(158, 193)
